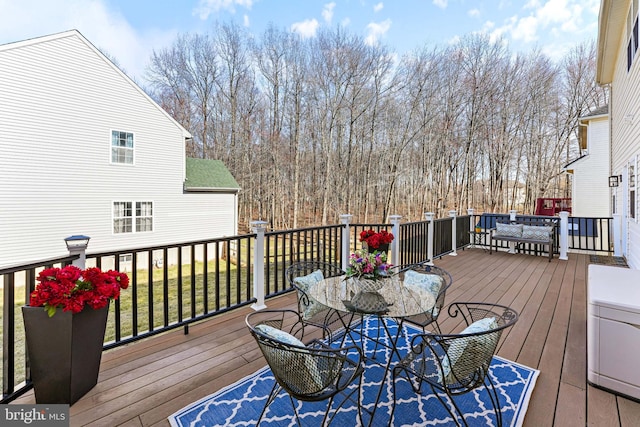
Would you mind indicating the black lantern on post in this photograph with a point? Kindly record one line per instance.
(613, 181)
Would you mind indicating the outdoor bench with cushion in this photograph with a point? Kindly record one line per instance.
(521, 232)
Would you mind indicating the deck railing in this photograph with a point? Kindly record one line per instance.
(172, 286)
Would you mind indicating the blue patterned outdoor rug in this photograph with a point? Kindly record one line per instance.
(240, 404)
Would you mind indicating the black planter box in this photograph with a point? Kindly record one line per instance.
(64, 352)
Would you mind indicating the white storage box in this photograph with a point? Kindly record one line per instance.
(613, 329)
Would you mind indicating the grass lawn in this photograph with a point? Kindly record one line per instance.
(216, 297)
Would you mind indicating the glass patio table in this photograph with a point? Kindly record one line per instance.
(394, 300)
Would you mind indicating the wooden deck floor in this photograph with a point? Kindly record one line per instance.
(142, 383)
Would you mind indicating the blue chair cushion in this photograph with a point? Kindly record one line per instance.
(465, 353)
(312, 307)
(509, 230)
(299, 363)
(536, 232)
(424, 282)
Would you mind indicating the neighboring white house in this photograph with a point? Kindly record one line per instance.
(590, 172)
(86, 151)
(618, 65)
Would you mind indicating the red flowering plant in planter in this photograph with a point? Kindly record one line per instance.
(375, 240)
(71, 288)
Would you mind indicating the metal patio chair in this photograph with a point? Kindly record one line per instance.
(310, 372)
(449, 365)
(435, 280)
(303, 274)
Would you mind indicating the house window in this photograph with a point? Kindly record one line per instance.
(124, 217)
(121, 147)
(632, 33)
(144, 216)
(632, 191)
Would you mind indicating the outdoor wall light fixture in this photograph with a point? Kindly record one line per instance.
(613, 181)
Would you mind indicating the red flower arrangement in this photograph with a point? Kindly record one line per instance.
(72, 288)
(375, 240)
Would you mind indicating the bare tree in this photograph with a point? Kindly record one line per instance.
(315, 127)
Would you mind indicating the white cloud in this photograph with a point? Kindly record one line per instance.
(441, 3)
(306, 28)
(105, 29)
(375, 30)
(488, 26)
(526, 29)
(245, 20)
(345, 22)
(327, 12)
(378, 7)
(473, 13)
(555, 20)
(207, 7)
(532, 4)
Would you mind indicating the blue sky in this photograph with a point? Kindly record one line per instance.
(131, 29)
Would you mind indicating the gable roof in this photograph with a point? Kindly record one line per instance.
(611, 25)
(209, 175)
(566, 167)
(597, 112)
(77, 34)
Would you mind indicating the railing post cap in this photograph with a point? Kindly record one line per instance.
(393, 218)
(470, 211)
(259, 225)
(346, 218)
(429, 215)
(452, 213)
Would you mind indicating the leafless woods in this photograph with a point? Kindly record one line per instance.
(312, 128)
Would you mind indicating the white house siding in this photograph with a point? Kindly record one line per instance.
(625, 137)
(59, 101)
(590, 196)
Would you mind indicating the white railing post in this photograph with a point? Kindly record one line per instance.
(472, 227)
(395, 246)
(346, 238)
(452, 215)
(258, 227)
(617, 235)
(429, 217)
(77, 245)
(564, 235)
(512, 217)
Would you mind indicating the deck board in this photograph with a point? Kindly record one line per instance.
(142, 383)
